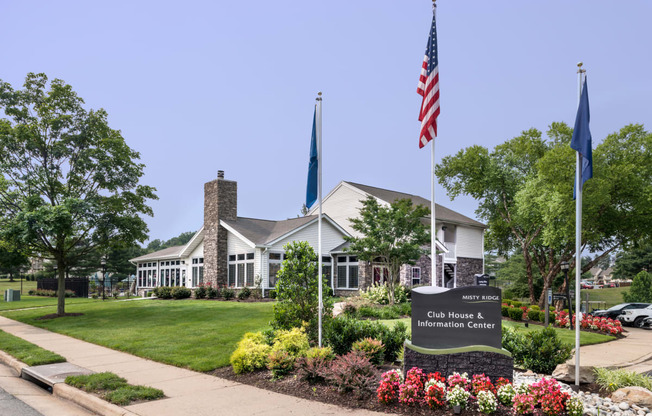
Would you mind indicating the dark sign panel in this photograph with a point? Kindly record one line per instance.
(460, 317)
(482, 279)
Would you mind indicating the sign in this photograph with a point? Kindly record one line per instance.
(482, 279)
(460, 317)
(549, 296)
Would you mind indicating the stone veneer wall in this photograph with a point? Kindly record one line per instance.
(220, 202)
(467, 268)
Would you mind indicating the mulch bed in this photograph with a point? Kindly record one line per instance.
(321, 392)
(54, 315)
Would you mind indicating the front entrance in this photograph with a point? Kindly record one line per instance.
(381, 275)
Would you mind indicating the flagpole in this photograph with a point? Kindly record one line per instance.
(319, 262)
(433, 226)
(578, 239)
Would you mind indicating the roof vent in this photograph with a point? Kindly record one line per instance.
(220, 174)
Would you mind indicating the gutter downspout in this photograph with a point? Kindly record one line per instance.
(262, 255)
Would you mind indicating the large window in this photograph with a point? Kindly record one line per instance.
(241, 270)
(273, 266)
(147, 274)
(347, 272)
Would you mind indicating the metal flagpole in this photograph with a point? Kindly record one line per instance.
(319, 256)
(578, 239)
(433, 228)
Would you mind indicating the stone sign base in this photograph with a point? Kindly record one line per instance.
(476, 359)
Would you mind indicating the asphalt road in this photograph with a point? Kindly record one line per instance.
(11, 406)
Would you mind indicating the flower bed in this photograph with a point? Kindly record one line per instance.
(478, 393)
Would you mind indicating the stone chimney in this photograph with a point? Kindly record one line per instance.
(220, 203)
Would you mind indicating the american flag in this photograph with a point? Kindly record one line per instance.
(429, 89)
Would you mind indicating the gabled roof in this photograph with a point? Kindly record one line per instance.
(442, 213)
(166, 253)
(266, 232)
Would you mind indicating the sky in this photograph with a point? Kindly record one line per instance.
(202, 86)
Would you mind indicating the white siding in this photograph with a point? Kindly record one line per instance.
(260, 269)
(330, 237)
(342, 205)
(469, 242)
(235, 245)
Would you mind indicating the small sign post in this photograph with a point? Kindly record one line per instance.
(548, 302)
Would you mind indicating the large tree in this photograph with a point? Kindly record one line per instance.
(70, 183)
(12, 260)
(392, 235)
(525, 193)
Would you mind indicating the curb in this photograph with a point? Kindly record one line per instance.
(88, 401)
(79, 397)
(10, 361)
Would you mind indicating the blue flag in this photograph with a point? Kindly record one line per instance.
(581, 140)
(311, 190)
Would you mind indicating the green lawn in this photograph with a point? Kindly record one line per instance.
(567, 336)
(6, 284)
(40, 301)
(611, 296)
(27, 352)
(200, 335)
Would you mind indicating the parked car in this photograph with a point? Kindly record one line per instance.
(585, 285)
(636, 317)
(647, 323)
(614, 311)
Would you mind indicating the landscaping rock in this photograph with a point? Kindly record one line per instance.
(566, 372)
(633, 395)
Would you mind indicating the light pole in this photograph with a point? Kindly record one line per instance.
(103, 263)
(565, 267)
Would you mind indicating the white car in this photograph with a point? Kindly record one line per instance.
(636, 317)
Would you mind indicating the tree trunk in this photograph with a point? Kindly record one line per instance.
(61, 292)
(528, 268)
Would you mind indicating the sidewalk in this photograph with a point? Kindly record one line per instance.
(187, 392)
(630, 352)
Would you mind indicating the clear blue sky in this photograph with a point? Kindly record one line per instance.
(197, 86)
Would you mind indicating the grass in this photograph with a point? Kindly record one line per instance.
(566, 336)
(6, 284)
(42, 301)
(611, 296)
(113, 388)
(27, 352)
(613, 380)
(200, 335)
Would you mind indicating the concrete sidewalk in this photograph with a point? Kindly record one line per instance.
(634, 349)
(187, 392)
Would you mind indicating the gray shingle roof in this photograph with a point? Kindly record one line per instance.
(262, 232)
(442, 213)
(169, 252)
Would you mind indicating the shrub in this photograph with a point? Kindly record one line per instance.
(542, 316)
(313, 366)
(228, 293)
(613, 380)
(371, 348)
(516, 314)
(641, 288)
(164, 292)
(534, 307)
(351, 373)
(574, 407)
(533, 315)
(481, 382)
(200, 292)
(251, 354)
(457, 396)
(523, 404)
(212, 292)
(297, 287)
(506, 395)
(244, 293)
(544, 351)
(272, 294)
(387, 391)
(293, 341)
(181, 293)
(280, 362)
(435, 391)
(340, 334)
(504, 310)
(514, 342)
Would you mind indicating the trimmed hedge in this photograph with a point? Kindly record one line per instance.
(516, 314)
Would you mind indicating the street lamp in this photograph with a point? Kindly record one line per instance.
(103, 263)
(565, 267)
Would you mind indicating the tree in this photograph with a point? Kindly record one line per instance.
(69, 182)
(181, 239)
(641, 289)
(12, 261)
(297, 289)
(525, 187)
(391, 235)
(630, 262)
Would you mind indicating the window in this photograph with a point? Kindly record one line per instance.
(416, 276)
(197, 271)
(326, 270)
(241, 270)
(347, 272)
(274, 265)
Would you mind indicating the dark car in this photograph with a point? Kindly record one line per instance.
(614, 311)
